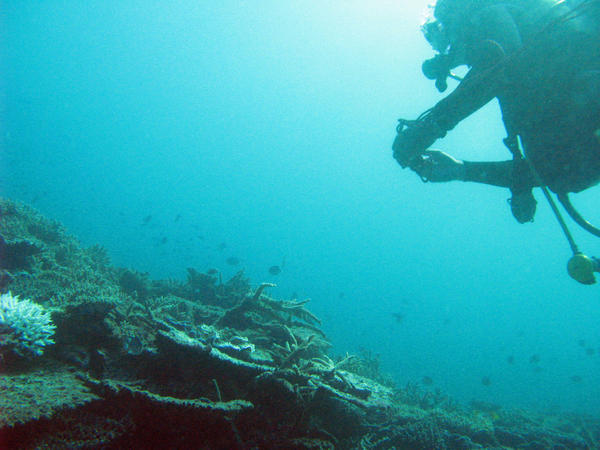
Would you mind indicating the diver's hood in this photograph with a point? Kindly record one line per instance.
(443, 34)
(453, 11)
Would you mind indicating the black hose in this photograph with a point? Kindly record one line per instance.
(566, 202)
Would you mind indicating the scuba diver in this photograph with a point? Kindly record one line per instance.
(541, 60)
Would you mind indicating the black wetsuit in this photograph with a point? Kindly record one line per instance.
(541, 60)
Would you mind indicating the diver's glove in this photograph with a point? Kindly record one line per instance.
(523, 206)
(437, 166)
(414, 137)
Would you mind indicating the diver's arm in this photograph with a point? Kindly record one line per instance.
(437, 166)
(497, 173)
(510, 174)
(470, 95)
(486, 55)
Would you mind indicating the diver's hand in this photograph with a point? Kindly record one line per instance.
(413, 138)
(408, 145)
(437, 166)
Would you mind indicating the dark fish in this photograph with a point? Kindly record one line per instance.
(590, 351)
(222, 246)
(427, 381)
(341, 295)
(276, 270)
(177, 217)
(399, 317)
(575, 379)
(212, 271)
(510, 359)
(163, 240)
(486, 381)
(581, 343)
(232, 261)
(146, 220)
(446, 321)
(534, 359)
(537, 369)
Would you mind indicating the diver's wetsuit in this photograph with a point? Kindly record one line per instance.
(545, 72)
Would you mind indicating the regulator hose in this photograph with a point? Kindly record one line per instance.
(566, 202)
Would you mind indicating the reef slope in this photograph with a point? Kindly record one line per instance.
(203, 363)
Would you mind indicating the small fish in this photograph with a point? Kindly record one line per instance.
(399, 317)
(510, 359)
(163, 240)
(341, 295)
(232, 261)
(575, 379)
(212, 271)
(486, 381)
(534, 359)
(581, 343)
(276, 270)
(177, 217)
(146, 220)
(222, 246)
(427, 381)
(590, 351)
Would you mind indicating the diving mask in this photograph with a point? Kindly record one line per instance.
(436, 36)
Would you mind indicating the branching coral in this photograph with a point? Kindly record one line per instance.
(25, 327)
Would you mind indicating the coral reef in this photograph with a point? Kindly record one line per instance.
(207, 363)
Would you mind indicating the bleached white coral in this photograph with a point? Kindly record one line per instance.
(26, 328)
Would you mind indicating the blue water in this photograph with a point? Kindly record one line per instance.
(161, 130)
